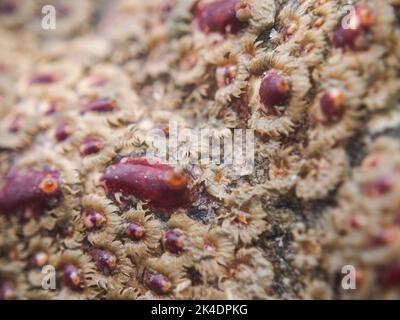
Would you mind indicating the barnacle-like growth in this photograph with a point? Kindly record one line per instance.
(36, 190)
(222, 16)
(358, 25)
(161, 277)
(277, 91)
(140, 232)
(76, 271)
(251, 270)
(321, 174)
(159, 184)
(40, 251)
(368, 234)
(99, 214)
(111, 262)
(213, 250)
(46, 191)
(245, 226)
(335, 113)
(110, 127)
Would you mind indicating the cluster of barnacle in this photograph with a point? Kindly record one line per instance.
(365, 225)
(78, 191)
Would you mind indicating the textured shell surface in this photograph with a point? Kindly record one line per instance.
(87, 187)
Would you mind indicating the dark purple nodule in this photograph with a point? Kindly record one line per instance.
(35, 189)
(155, 183)
(274, 91)
(390, 276)
(72, 277)
(105, 259)
(44, 78)
(346, 38)
(94, 219)
(358, 24)
(158, 283)
(7, 291)
(90, 145)
(134, 231)
(378, 187)
(63, 131)
(219, 16)
(174, 241)
(8, 7)
(332, 104)
(99, 105)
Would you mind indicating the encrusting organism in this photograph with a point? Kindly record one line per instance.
(84, 187)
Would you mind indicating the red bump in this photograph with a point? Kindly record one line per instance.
(219, 16)
(378, 187)
(90, 145)
(158, 283)
(359, 24)
(135, 231)
(99, 105)
(332, 104)
(44, 78)
(158, 184)
(274, 91)
(174, 241)
(63, 131)
(105, 259)
(33, 190)
(94, 219)
(390, 276)
(72, 277)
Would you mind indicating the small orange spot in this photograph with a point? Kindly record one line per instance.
(241, 218)
(365, 15)
(76, 279)
(175, 180)
(100, 219)
(48, 185)
(112, 262)
(283, 86)
(166, 286)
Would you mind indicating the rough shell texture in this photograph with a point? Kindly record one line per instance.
(319, 87)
